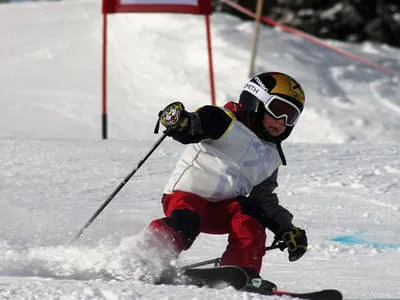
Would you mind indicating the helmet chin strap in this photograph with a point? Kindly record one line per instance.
(277, 140)
(281, 154)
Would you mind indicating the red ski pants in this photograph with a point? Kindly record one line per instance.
(246, 237)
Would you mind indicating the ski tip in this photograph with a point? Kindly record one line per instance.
(336, 294)
(339, 295)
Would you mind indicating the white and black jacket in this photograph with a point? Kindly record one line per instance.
(225, 159)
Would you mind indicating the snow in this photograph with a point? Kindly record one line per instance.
(342, 181)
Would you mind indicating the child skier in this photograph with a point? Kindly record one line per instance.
(223, 182)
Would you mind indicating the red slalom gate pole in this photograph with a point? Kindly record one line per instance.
(210, 61)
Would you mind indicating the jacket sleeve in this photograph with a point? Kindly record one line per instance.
(275, 216)
(208, 122)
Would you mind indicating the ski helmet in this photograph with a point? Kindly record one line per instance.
(277, 94)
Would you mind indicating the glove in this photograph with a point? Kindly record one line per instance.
(181, 125)
(173, 117)
(295, 240)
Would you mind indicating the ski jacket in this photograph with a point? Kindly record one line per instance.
(225, 159)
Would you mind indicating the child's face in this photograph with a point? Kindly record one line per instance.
(275, 127)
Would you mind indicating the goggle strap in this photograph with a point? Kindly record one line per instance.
(257, 91)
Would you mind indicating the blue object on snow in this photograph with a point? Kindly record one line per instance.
(356, 240)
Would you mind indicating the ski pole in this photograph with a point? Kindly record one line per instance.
(217, 260)
(214, 261)
(119, 187)
(276, 245)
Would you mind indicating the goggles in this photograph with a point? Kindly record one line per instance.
(278, 107)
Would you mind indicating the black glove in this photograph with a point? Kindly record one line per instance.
(180, 124)
(295, 240)
(174, 117)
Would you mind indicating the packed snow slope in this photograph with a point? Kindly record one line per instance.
(342, 181)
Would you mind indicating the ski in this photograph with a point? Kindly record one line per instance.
(316, 295)
(236, 277)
